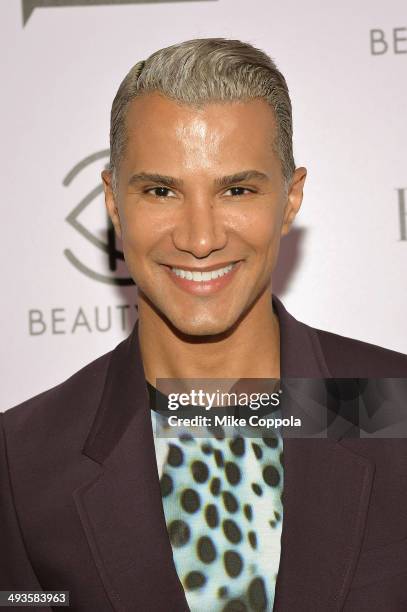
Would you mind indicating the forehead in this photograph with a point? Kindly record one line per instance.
(156, 115)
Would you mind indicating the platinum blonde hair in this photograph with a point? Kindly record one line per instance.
(205, 70)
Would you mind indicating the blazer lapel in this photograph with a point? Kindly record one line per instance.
(121, 510)
(326, 495)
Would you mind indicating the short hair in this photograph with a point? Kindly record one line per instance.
(204, 70)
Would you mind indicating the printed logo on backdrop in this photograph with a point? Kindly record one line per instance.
(96, 231)
(107, 246)
(392, 41)
(29, 6)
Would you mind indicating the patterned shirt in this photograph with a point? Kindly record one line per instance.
(223, 509)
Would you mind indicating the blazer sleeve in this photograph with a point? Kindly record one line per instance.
(16, 571)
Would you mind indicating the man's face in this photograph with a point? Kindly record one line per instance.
(200, 208)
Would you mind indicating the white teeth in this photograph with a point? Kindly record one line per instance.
(198, 277)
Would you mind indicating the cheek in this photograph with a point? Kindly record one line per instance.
(146, 232)
(137, 222)
(138, 233)
(260, 228)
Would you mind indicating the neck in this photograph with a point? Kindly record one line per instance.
(233, 355)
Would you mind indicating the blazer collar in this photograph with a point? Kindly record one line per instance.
(300, 351)
(125, 391)
(326, 493)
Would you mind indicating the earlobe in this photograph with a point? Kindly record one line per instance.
(289, 217)
(294, 199)
(110, 202)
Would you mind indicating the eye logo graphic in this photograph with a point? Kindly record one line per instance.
(109, 246)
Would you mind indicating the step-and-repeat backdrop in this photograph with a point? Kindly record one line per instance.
(66, 294)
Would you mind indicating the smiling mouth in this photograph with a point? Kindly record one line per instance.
(199, 276)
(203, 281)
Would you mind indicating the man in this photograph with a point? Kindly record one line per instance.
(201, 186)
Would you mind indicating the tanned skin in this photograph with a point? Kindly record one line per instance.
(180, 203)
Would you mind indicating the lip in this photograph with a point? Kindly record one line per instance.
(204, 288)
(217, 266)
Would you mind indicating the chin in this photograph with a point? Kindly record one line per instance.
(198, 321)
(201, 326)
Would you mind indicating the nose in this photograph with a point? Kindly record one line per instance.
(199, 230)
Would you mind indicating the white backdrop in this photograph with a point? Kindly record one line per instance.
(342, 268)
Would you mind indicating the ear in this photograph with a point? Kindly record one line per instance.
(110, 202)
(294, 199)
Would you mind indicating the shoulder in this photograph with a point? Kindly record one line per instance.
(347, 357)
(341, 356)
(63, 411)
(41, 446)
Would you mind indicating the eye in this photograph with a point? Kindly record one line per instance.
(238, 191)
(160, 192)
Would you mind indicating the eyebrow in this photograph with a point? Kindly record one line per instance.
(223, 181)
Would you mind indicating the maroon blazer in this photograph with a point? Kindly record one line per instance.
(81, 505)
